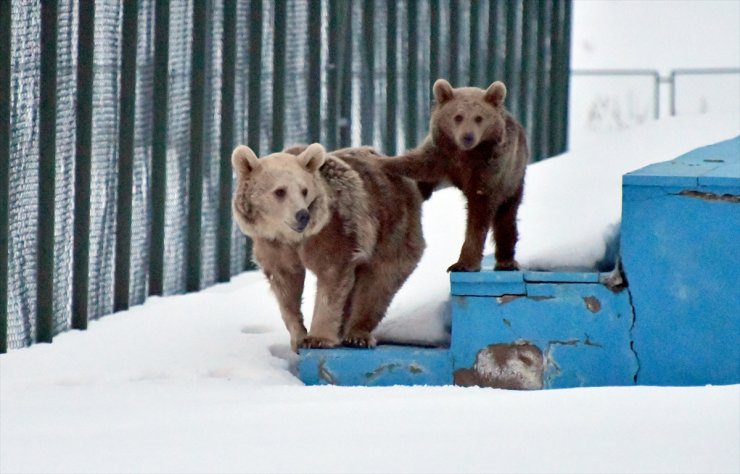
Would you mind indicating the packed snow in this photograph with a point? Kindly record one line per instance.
(205, 382)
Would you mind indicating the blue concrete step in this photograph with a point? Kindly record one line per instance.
(383, 366)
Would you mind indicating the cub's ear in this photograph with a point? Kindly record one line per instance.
(244, 161)
(442, 91)
(313, 157)
(495, 94)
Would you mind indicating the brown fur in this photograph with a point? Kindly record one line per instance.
(362, 240)
(475, 144)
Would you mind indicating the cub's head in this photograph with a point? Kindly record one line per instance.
(467, 116)
(281, 196)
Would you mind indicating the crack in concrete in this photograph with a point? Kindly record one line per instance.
(731, 198)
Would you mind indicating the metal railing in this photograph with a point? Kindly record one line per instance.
(117, 119)
(658, 80)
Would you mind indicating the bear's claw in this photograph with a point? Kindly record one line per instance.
(313, 342)
(462, 267)
(363, 341)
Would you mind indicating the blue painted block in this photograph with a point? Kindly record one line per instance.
(382, 366)
(580, 330)
(486, 283)
(680, 246)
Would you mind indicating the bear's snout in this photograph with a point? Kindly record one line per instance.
(301, 219)
(468, 140)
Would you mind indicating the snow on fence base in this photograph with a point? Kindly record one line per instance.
(678, 322)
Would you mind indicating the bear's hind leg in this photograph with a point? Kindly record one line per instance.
(505, 232)
(374, 289)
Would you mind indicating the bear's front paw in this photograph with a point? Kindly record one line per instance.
(360, 339)
(464, 267)
(314, 342)
(506, 266)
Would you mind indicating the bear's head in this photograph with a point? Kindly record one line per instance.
(280, 196)
(468, 116)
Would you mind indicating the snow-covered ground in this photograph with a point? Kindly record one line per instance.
(204, 382)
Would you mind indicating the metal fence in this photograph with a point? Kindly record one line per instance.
(117, 119)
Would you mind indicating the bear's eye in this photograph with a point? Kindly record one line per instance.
(458, 118)
(280, 193)
(478, 119)
(304, 191)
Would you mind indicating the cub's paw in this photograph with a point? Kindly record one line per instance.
(508, 265)
(359, 339)
(314, 342)
(463, 267)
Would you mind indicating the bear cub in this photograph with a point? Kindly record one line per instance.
(475, 144)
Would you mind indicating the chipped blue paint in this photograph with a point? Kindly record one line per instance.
(680, 245)
(382, 366)
(583, 329)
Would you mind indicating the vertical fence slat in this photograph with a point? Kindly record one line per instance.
(542, 102)
(159, 145)
(197, 107)
(83, 151)
(278, 76)
(367, 95)
(126, 129)
(255, 75)
(454, 47)
(475, 45)
(313, 89)
(47, 172)
(559, 73)
(5, 25)
(493, 64)
(412, 67)
(332, 113)
(228, 72)
(434, 38)
(526, 73)
(511, 63)
(392, 86)
(345, 99)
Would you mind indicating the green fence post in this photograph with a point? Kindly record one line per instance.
(345, 104)
(47, 172)
(126, 129)
(435, 28)
(542, 89)
(412, 72)
(159, 145)
(197, 105)
(559, 76)
(5, 25)
(475, 44)
(454, 46)
(83, 144)
(527, 68)
(278, 75)
(254, 108)
(511, 64)
(313, 105)
(391, 85)
(494, 64)
(367, 95)
(228, 76)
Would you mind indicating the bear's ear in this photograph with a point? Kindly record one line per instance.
(442, 91)
(313, 157)
(244, 161)
(495, 94)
